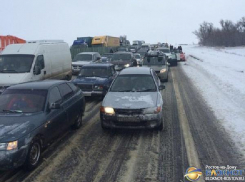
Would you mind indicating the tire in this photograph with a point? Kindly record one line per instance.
(68, 77)
(33, 155)
(77, 124)
(104, 127)
(160, 127)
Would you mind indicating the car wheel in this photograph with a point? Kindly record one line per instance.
(78, 123)
(104, 127)
(33, 156)
(160, 127)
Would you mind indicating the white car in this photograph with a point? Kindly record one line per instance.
(83, 59)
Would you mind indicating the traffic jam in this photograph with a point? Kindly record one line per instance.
(100, 110)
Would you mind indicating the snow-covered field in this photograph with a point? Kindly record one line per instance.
(219, 75)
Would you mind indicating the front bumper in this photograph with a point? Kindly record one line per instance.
(94, 93)
(12, 159)
(124, 121)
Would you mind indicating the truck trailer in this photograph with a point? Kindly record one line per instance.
(105, 41)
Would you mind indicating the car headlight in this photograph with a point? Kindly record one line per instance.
(126, 65)
(107, 110)
(98, 87)
(163, 70)
(152, 110)
(9, 146)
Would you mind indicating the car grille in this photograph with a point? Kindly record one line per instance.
(77, 67)
(85, 87)
(128, 111)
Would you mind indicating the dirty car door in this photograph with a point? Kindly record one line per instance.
(55, 117)
(69, 104)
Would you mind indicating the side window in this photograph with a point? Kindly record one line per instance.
(54, 96)
(65, 91)
(40, 62)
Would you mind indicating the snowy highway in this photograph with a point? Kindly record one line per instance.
(91, 154)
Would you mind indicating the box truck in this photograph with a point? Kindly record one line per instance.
(106, 41)
(34, 60)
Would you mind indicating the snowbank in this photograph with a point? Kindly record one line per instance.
(219, 74)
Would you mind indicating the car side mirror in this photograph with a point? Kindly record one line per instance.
(54, 106)
(161, 87)
(37, 70)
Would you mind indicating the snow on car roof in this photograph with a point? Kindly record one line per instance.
(136, 70)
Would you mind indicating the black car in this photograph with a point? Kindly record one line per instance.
(123, 60)
(108, 55)
(32, 115)
(95, 79)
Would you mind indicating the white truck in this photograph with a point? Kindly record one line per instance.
(35, 60)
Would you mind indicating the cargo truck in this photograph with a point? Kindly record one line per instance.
(105, 41)
(6, 40)
(83, 41)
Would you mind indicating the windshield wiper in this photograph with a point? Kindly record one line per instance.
(123, 90)
(12, 111)
(3, 71)
(147, 90)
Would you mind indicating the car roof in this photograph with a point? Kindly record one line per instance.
(98, 65)
(45, 84)
(123, 52)
(88, 53)
(136, 71)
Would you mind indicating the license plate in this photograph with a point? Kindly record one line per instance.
(86, 93)
(128, 119)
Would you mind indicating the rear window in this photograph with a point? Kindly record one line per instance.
(154, 61)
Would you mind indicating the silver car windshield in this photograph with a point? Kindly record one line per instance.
(16, 63)
(134, 83)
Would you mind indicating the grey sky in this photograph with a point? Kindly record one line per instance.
(150, 20)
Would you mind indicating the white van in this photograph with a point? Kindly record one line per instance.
(35, 60)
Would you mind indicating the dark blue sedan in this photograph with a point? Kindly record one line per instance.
(95, 79)
(32, 115)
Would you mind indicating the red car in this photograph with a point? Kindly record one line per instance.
(182, 56)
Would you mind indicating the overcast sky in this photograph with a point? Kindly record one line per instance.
(171, 21)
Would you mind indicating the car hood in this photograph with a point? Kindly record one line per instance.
(130, 100)
(168, 54)
(90, 80)
(15, 126)
(80, 63)
(120, 62)
(7, 79)
(156, 67)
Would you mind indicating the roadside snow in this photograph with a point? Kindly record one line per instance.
(219, 75)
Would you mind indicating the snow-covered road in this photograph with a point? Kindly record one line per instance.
(219, 75)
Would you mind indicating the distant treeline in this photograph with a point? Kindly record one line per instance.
(230, 34)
